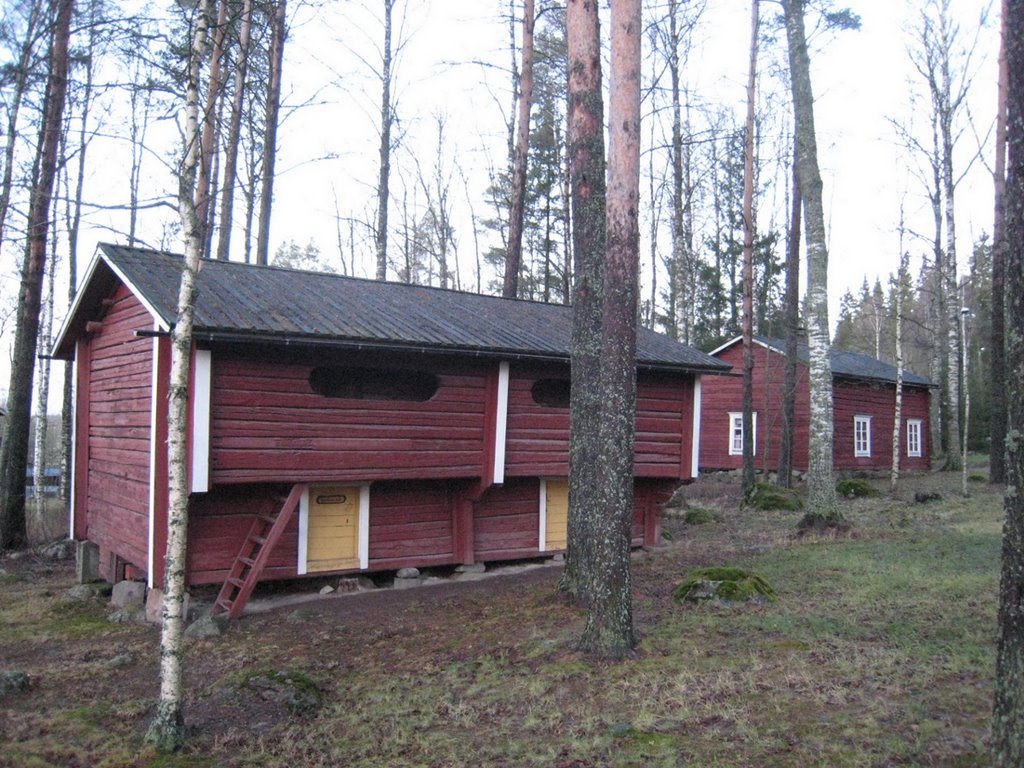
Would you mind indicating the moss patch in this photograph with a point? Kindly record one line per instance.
(699, 517)
(855, 488)
(768, 497)
(734, 585)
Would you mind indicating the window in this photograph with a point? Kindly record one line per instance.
(862, 436)
(736, 433)
(373, 383)
(553, 393)
(913, 437)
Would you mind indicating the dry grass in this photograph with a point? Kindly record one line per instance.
(879, 652)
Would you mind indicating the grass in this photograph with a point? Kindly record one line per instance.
(879, 651)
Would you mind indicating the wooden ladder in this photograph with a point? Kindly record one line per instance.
(252, 558)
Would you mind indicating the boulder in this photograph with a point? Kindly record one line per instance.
(128, 594)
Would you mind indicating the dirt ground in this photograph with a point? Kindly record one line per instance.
(93, 683)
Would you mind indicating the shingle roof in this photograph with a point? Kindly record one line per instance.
(241, 302)
(847, 364)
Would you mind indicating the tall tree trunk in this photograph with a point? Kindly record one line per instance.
(43, 385)
(208, 138)
(384, 173)
(277, 37)
(167, 731)
(227, 194)
(73, 207)
(748, 261)
(997, 342)
(586, 168)
(821, 492)
(897, 419)
(14, 451)
(609, 627)
(514, 253)
(792, 314)
(1008, 712)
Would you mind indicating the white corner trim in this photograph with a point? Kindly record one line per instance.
(300, 566)
(201, 422)
(695, 444)
(501, 423)
(72, 476)
(542, 539)
(154, 384)
(364, 526)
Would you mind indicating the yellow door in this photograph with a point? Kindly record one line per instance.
(332, 539)
(556, 504)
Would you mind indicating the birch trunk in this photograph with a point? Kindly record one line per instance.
(897, 419)
(785, 476)
(1008, 710)
(167, 731)
(43, 386)
(609, 628)
(821, 492)
(586, 169)
(514, 253)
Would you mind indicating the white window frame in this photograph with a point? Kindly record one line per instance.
(862, 448)
(914, 433)
(736, 430)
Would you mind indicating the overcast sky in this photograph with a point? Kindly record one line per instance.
(454, 65)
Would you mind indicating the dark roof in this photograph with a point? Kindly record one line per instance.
(851, 365)
(244, 303)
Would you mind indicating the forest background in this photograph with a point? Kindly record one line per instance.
(453, 83)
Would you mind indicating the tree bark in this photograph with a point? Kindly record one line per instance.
(748, 261)
(586, 169)
(609, 627)
(897, 420)
(209, 120)
(227, 193)
(14, 452)
(1008, 710)
(384, 172)
(792, 314)
(514, 253)
(997, 342)
(277, 37)
(167, 731)
(821, 492)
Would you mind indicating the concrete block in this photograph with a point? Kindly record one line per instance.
(87, 562)
(128, 594)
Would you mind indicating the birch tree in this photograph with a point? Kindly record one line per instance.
(1008, 711)
(167, 731)
(899, 288)
(823, 509)
(14, 451)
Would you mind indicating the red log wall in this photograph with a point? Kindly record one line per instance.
(119, 380)
(721, 395)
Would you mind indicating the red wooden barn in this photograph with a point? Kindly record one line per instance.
(864, 398)
(340, 425)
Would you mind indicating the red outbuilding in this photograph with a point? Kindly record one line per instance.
(340, 425)
(863, 407)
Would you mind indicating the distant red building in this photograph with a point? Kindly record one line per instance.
(341, 425)
(864, 396)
